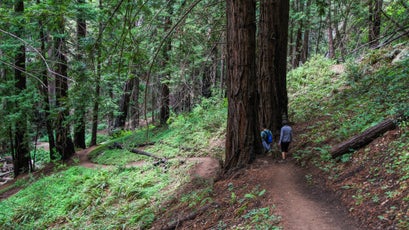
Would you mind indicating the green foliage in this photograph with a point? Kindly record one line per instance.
(103, 198)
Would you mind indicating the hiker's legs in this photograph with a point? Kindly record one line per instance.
(284, 149)
(266, 146)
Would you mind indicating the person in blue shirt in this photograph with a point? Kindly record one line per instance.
(266, 139)
(286, 136)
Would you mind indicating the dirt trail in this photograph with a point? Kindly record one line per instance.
(302, 206)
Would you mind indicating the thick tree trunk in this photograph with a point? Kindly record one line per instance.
(80, 110)
(64, 143)
(363, 139)
(45, 92)
(267, 43)
(242, 132)
(120, 120)
(21, 157)
(283, 10)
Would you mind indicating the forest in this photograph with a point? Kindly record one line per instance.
(107, 107)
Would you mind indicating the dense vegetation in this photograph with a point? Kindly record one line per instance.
(341, 105)
(82, 73)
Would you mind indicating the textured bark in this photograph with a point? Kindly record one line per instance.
(21, 157)
(64, 143)
(80, 110)
(164, 105)
(363, 139)
(97, 91)
(44, 90)
(124, 103)
(242, 130)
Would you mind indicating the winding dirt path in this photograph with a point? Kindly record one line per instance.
(302, 206)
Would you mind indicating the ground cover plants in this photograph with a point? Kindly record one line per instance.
(372, 181)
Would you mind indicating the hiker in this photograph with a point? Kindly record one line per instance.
(286, 134)
(266, 139)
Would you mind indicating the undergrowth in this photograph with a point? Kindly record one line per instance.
(334, 107)
(119, 197)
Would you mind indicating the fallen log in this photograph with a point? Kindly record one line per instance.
(362, 139)
(174, 224)
(117, 145)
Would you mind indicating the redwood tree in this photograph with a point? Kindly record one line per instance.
(272, 42)
(64, 143)
(21, 156)
(242, 138)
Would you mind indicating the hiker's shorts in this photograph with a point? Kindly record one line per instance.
(284, 146)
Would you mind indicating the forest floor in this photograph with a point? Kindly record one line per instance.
(298, 202)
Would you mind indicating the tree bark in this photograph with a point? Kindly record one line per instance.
(164, 105)
(363, 139)
(45, 91)
(120, 120)
(375, 13)
(331, 48)
(80, 110)
(242, 131)
(64, 143)
(272, 41)
(21, 157)
(97, 91)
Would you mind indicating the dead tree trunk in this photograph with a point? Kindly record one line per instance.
(363, 139)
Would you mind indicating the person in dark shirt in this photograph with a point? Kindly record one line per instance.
(286, 136)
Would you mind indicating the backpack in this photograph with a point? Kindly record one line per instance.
(269, 138)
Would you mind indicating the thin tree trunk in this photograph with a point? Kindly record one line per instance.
(331, 49)
(97, 92)
(135, 114)
(165, 92)
(375, 13)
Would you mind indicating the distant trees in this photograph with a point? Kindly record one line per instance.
(70, 68)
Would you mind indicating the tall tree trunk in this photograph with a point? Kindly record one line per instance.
(242, 139)
(64, 144)
(80, 110)
(21, 157)
(95, 109)
(135, 114)
(331, 48)
(375, 13)
(306, 43)
(280, 62)
(268, 43)
(124, 103)
(45, 92)
(164, 105)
